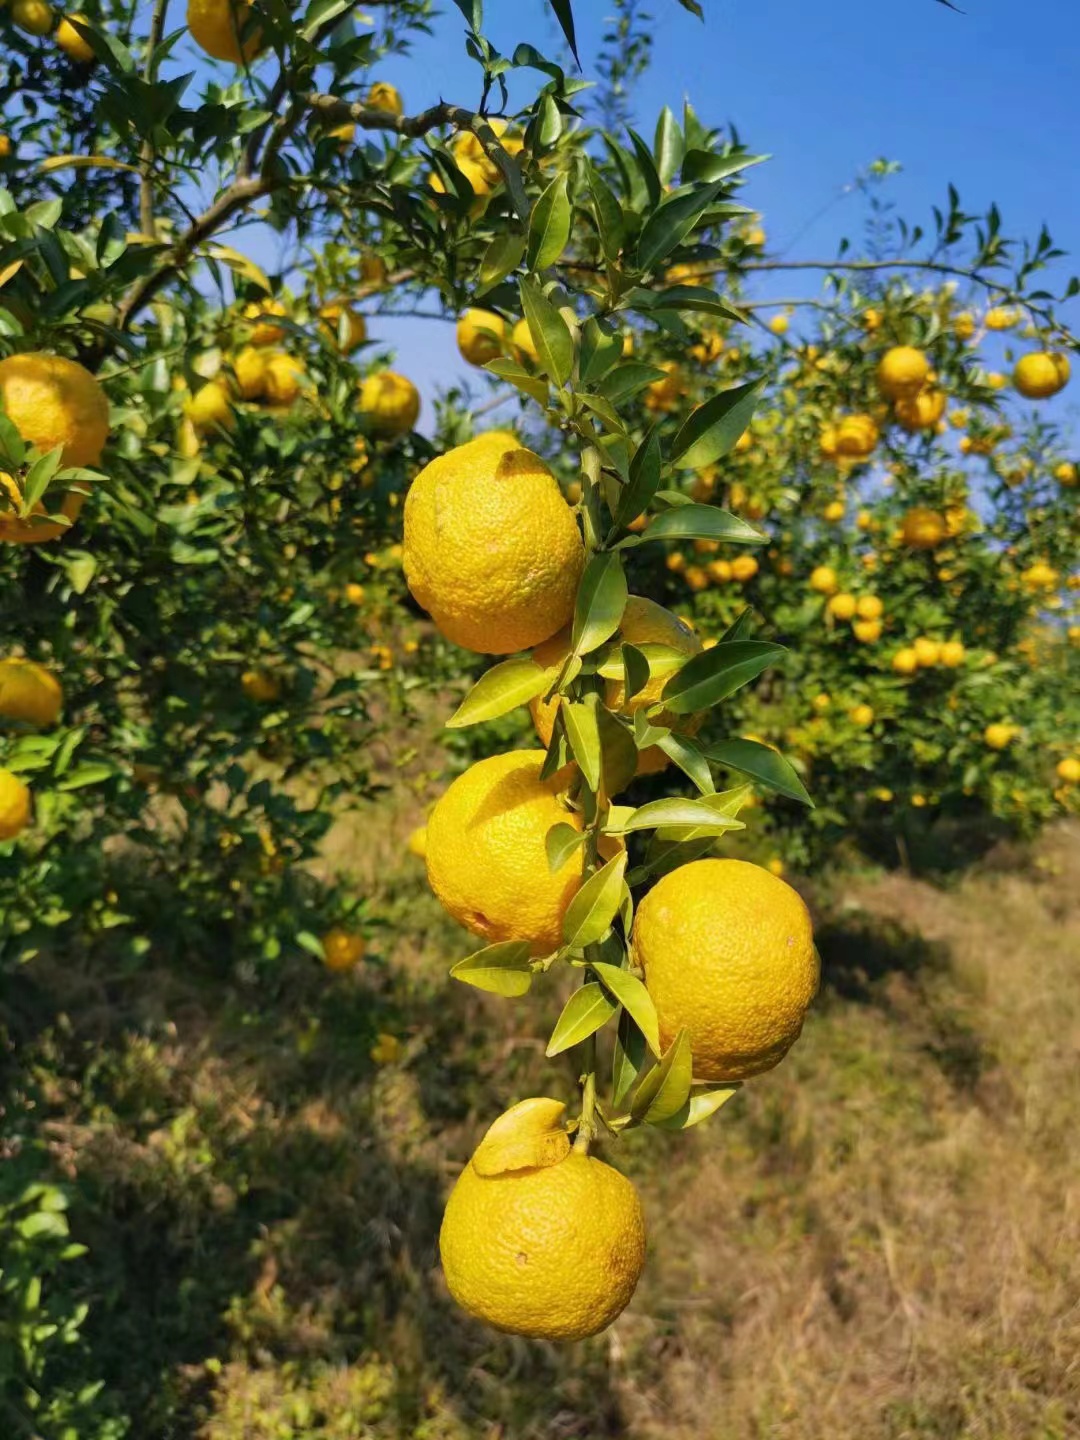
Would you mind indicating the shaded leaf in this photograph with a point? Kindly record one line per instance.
(549, 331)
(601, 600)
(665, 1089)
(717, 673)
(633, 997)
(763, 764)
(713, 429)
(587, 1010)
(594, 907)
(560, 842)
(549, 226)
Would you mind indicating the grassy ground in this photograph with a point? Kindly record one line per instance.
(881, 1239)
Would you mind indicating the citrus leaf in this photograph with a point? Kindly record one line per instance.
(601, 600)
(666, 1088)
(609, 216)
(618, 752)
(501, 969)
(628, 379)
(635, 666)
(702, 522)
(583, 1014)
(763, 764)
(644, 480)
(630, 1055)
(601, 346)
(501, 689)
(698, 1107)
(549, 226)
(560, 842)
(662, 660)
(84, 162)
(632, 996)
(670, 224)
(690, 758)
(241, 264)
(595, 905)
(675, 811)
(550, 332)
(535, 386)
(583, 735)
(717, 673)
(713, 429)
(502, 256)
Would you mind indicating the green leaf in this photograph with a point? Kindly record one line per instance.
(687, 299)
(502, 256)
(501, 689)
(550, 332)
(587, 1010)
(676, 811)
(646, 169)
(532, 385)
(713, 429)
(90, 773)
(601, 600)
(636, 496)
(549, 226)
(632, 996)
(698, 1107)
(629, 1057)
(38, 478)
(635, 670)
(618, 753)
(606, 412)
(628, 379)
(565, 16)
(601, 346)
(705, 165)
(501, 969)
(717, 673)
(666, 1088)
(741, 627)
(609, 217)
(592, 910)
(702, 522)
(560, 842)
(667, 145)
(671, 223)
(763, 765)
(583, 735)
(690, 758)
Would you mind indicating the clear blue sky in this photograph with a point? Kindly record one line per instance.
(986, 99)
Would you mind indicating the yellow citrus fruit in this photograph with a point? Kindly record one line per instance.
(216, 27)
(354, 593)
(71, 41)
(14, 805)
(522, 344)
(492, 550)
(209, 408)
(664, 395)
(921, 411)
(539, 1239)
(719, 571)
(727, 952)
(905, 661)
(260, 686)
(923, 529)
(867, 631)
(486, 858)
(342, 949)
(871, 319)
(356, 325)
(1042, 374)
(1039, 576)
(1066, 473)
(999, 735)
(952, 654)
(902, 371)
(343, 134)
(389, 403)
(823, 580)
(743, 568)
(283, 379)
(927, 652)
(1068, 770)
(834, 511)
(1000, 318)
(250, 368)
(5, 146)
(821, 703)
(34, 16)
(385, 97)
(869, 607)
(52, 401)
(964, 326)
(35, 529)
(856, 436)
(29, 694)
(417, 842)
(260, 313)
(841, 606)
(481, 336)
(861, 715)
(779, 324)
(643, 623)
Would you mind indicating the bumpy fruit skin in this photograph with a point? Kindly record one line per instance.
(486, 859)
(216, 26)
(390, 403)
(29, 694)
(34, 530)
(481, 336)
(71, 41)
(643, 623)
(1042, 374)
(491, 549)
(728, 954)
(14, 805)
(923, 529)
(342, 949)
(902, 371)
(551, 1251)
(921, 411)
(53, 401)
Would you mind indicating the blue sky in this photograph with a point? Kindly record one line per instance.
(985, 99)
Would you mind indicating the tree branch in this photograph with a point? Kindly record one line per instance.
(147, 154)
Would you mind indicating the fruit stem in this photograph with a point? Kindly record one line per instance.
(587, 1123)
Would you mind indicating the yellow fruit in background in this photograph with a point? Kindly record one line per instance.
(385, 97)
(35, 529)
(921, 411)
(996, 380)
(823, 580)
(34, 16)
(1066, 473)
(643, 623)
(486, 857)
(356, 325)
(999, 735)
(521, 343)
(71, 41)
(1068, 770)
(964, 326)
(719, 571)
(343, 134)
(834, 511)
(866, 631)
(664, 395)
(841, 606)
(821, 703)
(492, 550)
(260, 313)
(905, 661)
(861, 715)
(856, 436)
(869, 607)
(389, 403)
(743, 568)
(14, 805)
(29, 694)
(1000, 318)
(952, 654)
(52, 401)
(727, 952)
(284, 379)
(1039, 576)
(779, 324)
(342, 949)
(871, 319)
(5, 146)
(827, 442)
(923, 529)
(927, 652)
(481, 336)
(216, 27)
(902, 371)
(540, 1239)
(417, 842)
(209, 408)
(1042, 374)
(260, 686)
(354, 593)
(250, 368)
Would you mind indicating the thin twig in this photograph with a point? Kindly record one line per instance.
(147, 154)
